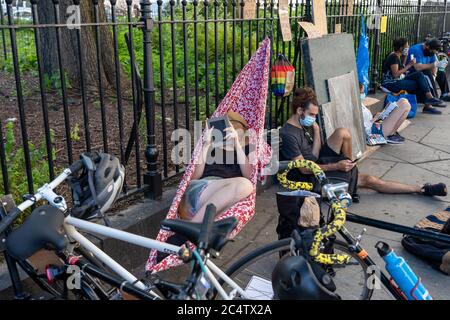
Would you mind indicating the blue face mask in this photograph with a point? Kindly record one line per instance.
(308, 121)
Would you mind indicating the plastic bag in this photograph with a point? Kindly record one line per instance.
(362, 59)
(283, 77)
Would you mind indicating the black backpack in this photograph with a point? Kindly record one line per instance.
(436, 253)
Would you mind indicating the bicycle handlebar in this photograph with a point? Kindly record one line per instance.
(336, 207)
(44, 192)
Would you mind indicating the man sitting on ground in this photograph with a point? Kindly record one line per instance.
(301, 139)
(427, 62)
(397, 77)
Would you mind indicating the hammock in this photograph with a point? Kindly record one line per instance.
(247, 96)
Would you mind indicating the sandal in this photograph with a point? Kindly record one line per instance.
(439, 189)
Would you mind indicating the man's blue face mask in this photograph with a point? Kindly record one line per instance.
(308, 121)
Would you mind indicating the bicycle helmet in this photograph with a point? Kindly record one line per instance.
(98, 185)
(294, 279)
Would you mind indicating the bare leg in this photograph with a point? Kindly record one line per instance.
(341, 142)
(382, 186)
(396, 118)
(223, 194)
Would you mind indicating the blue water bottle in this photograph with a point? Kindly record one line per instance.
(402, 274)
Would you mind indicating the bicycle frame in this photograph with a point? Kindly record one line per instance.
(364, 256)
(71, 225)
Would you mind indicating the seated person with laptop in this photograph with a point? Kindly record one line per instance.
(301, 139)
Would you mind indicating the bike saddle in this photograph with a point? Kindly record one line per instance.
(218, 237)
(38, 231)
(294, 279)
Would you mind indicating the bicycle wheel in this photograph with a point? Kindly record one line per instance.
(253, 272)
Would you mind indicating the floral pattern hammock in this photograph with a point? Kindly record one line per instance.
(247, 96)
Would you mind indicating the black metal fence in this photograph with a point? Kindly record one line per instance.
(71, 74)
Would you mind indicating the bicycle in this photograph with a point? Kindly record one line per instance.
(256, 267)
(52, 226)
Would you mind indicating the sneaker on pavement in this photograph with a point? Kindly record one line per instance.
(431, 110)
(435, 102)
(445, 97)
(395, 139)
(400, 136)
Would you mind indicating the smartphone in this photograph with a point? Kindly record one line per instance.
(219, 123)
(356, 160)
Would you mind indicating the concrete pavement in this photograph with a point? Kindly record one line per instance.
(425, 157)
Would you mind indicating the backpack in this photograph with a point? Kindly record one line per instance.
(436, 253)
(283, 77)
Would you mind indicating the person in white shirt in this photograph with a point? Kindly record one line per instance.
(388, 121)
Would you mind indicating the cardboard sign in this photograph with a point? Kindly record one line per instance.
(384, 21)
(285, 25)
(250, 9)
(319, 16)
(311, 30)
(347, 8)
(338, 28)
(283, 4)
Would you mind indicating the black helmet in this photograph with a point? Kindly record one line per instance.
(293, 279)
(98, 185)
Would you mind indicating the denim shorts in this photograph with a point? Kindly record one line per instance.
(191, 197)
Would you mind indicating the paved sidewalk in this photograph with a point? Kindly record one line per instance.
(425, 157)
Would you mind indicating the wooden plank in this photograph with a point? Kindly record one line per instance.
(311, 30)
(285, 25)
(249, 9)
(347, 8)
(338, 28)
(319, 16)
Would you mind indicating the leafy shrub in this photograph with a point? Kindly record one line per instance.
(15, 160)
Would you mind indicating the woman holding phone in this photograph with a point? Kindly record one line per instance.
(222, 175)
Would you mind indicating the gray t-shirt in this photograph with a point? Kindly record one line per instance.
(295, 142)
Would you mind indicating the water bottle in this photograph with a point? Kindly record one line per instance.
(402, 274)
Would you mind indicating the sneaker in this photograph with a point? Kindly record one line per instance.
(435, 102)
(395, 139)
(431, 110)
(445, 97)
(400, 137)
(438, 189)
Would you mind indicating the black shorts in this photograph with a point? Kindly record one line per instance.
(328, 155)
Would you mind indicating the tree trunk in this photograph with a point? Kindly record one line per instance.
(69, 49)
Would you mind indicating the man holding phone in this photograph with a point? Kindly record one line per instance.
(300, 138)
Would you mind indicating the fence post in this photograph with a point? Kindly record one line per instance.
(376, 49)
(3, 30)
(152, 177)
(419, 15)
(445, 18)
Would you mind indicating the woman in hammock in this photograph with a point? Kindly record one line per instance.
(222, 181)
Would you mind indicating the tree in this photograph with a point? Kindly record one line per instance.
(69, 49)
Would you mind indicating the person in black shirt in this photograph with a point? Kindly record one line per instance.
(300, 138)
(222, 174)
(398, 77)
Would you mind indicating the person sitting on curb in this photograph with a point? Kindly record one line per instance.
(390, 122)
(397, 77)
(301, 139)
(427, 62)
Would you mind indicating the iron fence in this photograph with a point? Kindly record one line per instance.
(71, 74)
